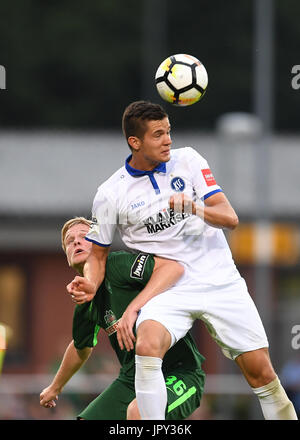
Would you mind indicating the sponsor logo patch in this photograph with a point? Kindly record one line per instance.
(138, 267)
(208, 177)
(163, 220)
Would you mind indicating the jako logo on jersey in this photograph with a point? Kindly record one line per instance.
(177, 183)
(163, 220)
(138, 267)
(137, 205)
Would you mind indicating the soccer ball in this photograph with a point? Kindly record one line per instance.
(181, 80)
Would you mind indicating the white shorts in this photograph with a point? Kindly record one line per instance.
(228, 312)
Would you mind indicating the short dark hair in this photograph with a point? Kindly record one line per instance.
(137, 114)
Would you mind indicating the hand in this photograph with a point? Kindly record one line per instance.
(125, 334)
(48, 397)
(181, 203)
(81, 290)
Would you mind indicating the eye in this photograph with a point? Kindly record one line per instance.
(69, 240)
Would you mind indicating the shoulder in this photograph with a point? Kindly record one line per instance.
(115, 179)
(186, 154)
(188, 158)
(113, 185)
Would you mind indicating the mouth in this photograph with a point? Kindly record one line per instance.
(78, 251)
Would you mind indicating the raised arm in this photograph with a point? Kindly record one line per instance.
(72, 361)
(83, 289)
(165, 274)
(217, 210)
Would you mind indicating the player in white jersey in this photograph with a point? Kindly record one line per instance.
(169, 204)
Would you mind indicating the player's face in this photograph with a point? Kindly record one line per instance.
(77, 248)
(155, 146)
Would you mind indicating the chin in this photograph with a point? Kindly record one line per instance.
(78, 260)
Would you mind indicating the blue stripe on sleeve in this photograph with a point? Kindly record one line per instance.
(211, 193)
(96, 242)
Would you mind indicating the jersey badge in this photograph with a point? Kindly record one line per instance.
(138, 267)
(111, 322)
(208, 177)
(109, 317)
(177, 184)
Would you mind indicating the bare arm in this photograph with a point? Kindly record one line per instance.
(83, 289)
(217, 211)
(165, 274)
(72, 361)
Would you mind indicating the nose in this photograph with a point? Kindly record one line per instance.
(168, 139)
(77, 241)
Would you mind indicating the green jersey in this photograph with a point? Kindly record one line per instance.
(126, 275)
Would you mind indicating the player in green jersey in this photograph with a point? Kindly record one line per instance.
(126, 275)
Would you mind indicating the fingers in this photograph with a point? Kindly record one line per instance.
(76, 284)
(181, 203)
(125, 336)
(50, 404)
(80, 298)
(47, 401)
(120, 340)
(78, 289)
(176, 202)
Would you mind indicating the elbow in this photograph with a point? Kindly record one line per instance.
(180, 270)
(233, 222)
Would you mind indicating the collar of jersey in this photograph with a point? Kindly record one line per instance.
(160, 168)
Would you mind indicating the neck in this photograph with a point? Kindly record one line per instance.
(142, 164)
(79, 269)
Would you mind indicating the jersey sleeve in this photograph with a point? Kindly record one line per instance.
(126, 270)
(85, 328)
(204, 182)
(104, 218)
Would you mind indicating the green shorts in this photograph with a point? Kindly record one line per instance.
(184, 388)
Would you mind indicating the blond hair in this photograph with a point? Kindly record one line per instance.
(69, 224)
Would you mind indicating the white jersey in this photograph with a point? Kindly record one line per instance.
(137, 204)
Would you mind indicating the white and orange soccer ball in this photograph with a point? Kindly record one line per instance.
(181, 80)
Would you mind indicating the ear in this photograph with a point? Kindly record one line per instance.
(134, 142)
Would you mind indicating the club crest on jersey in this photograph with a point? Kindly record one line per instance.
(111, 322)
(138, 267)
(109, 317)
(177, 184)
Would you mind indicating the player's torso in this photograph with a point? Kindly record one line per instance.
(144, 214)
(146, 223)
